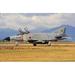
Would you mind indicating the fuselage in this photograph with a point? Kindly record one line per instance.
(39, 37)
(35, 37)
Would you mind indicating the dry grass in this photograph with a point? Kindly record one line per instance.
(27, 52)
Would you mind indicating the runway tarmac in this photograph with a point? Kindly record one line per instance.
(28, 52)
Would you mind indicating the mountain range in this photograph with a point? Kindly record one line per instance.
(5, 32)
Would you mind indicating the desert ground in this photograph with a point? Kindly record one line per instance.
(57, 52)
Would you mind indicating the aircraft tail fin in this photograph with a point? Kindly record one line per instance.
(61, 31)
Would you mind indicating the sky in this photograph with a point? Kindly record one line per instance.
(35, 20)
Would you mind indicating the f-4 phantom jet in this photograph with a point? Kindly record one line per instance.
(37, 38)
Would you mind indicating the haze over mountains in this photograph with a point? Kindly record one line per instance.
(5, 32)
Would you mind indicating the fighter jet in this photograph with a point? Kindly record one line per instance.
(37, 38)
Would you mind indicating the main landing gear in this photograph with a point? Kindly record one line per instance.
(49, 43)
(34, 44)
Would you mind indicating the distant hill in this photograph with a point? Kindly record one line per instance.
(70, 31)
(5, 32)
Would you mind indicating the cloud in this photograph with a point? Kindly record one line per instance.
(33, 21)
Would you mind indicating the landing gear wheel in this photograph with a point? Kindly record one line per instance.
(34, 44)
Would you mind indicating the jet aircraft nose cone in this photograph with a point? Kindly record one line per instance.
(7, 39)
